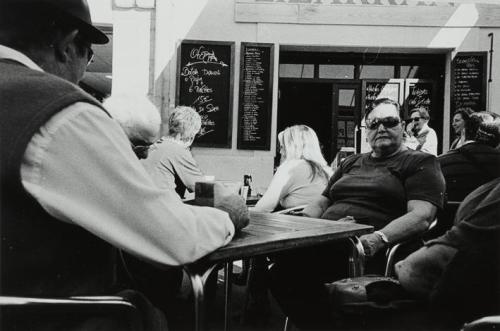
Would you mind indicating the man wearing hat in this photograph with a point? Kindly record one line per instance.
(72, 189)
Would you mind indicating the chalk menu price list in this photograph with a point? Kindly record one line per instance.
(205, 73)
(254, 113)
(469, 82)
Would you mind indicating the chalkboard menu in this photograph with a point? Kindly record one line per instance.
(468, 81)
(381, 89)
(255, 100)
(205, 82)
(419, 95)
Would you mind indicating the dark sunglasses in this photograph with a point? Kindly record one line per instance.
(415, 119)
(387, 122)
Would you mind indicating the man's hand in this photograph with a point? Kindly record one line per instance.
(232, 204)
(372, 243)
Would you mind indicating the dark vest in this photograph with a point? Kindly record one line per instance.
(40, 255)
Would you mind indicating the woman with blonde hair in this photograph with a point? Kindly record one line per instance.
(302, 174)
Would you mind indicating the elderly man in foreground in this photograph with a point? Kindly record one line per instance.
(392, 188)
(72, 189)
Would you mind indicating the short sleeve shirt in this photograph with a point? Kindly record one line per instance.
(376, 191)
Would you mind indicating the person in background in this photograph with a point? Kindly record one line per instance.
(421, 136)
(474, 163)
(476, 215)
(300, 178)
(170, 162)
(72, 189)
(138, 117)
(392, 188)
(458, 272)
(302, 174)
(460, 118)
(465, 168)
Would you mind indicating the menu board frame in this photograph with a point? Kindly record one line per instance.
(221, 140)
(413, 82)
(483, 72)
(393, 81)
(266, 113)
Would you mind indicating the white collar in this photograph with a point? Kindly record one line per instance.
(424, 129)
(12, 54)
(176, 141)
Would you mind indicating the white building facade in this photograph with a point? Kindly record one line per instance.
(329, 58)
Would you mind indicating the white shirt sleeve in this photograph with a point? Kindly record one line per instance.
(431, 143)
(275, 191)
(81, 169)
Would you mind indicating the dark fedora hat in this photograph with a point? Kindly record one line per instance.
(75, 12)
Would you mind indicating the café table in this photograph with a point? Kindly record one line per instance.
(270, 233)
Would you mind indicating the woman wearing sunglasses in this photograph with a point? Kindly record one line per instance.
(395, 189)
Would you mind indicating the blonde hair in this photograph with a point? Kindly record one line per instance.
(184, 122)
(300, 142)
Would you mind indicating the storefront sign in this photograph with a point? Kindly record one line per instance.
(205, 82)
(254, 113)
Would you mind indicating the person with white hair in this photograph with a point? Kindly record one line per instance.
(138, 117)
(303, 173)
(170, 161)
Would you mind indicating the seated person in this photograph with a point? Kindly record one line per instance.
(138, 117)
(473, 164)
(393, 188)
(170, 161)
(451, 271)
(72, 190)
(460, 118)
(302, 174)
(466, 168)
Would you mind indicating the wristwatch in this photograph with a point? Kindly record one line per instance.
(382, 236)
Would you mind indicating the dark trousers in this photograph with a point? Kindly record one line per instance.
(161, 286)
(297, 281)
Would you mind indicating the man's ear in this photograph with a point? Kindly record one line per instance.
(63, 46)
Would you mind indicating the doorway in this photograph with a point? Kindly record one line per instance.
(329, 91)
(331, 109)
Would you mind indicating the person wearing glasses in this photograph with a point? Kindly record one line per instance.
(138, 117)
(421, 136)
(72, 189)
(393, 188)
(170, 162)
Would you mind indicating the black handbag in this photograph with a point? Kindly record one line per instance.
(368, 293)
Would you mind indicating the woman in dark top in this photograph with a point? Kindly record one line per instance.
(395, 189)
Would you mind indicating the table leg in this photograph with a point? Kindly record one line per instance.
(356, 258)
(198, 279)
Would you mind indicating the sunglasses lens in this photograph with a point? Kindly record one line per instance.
(388, 122)
(416, 119)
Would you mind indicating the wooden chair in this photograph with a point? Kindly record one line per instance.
(17, 312)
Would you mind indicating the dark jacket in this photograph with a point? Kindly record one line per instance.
(40, 255)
